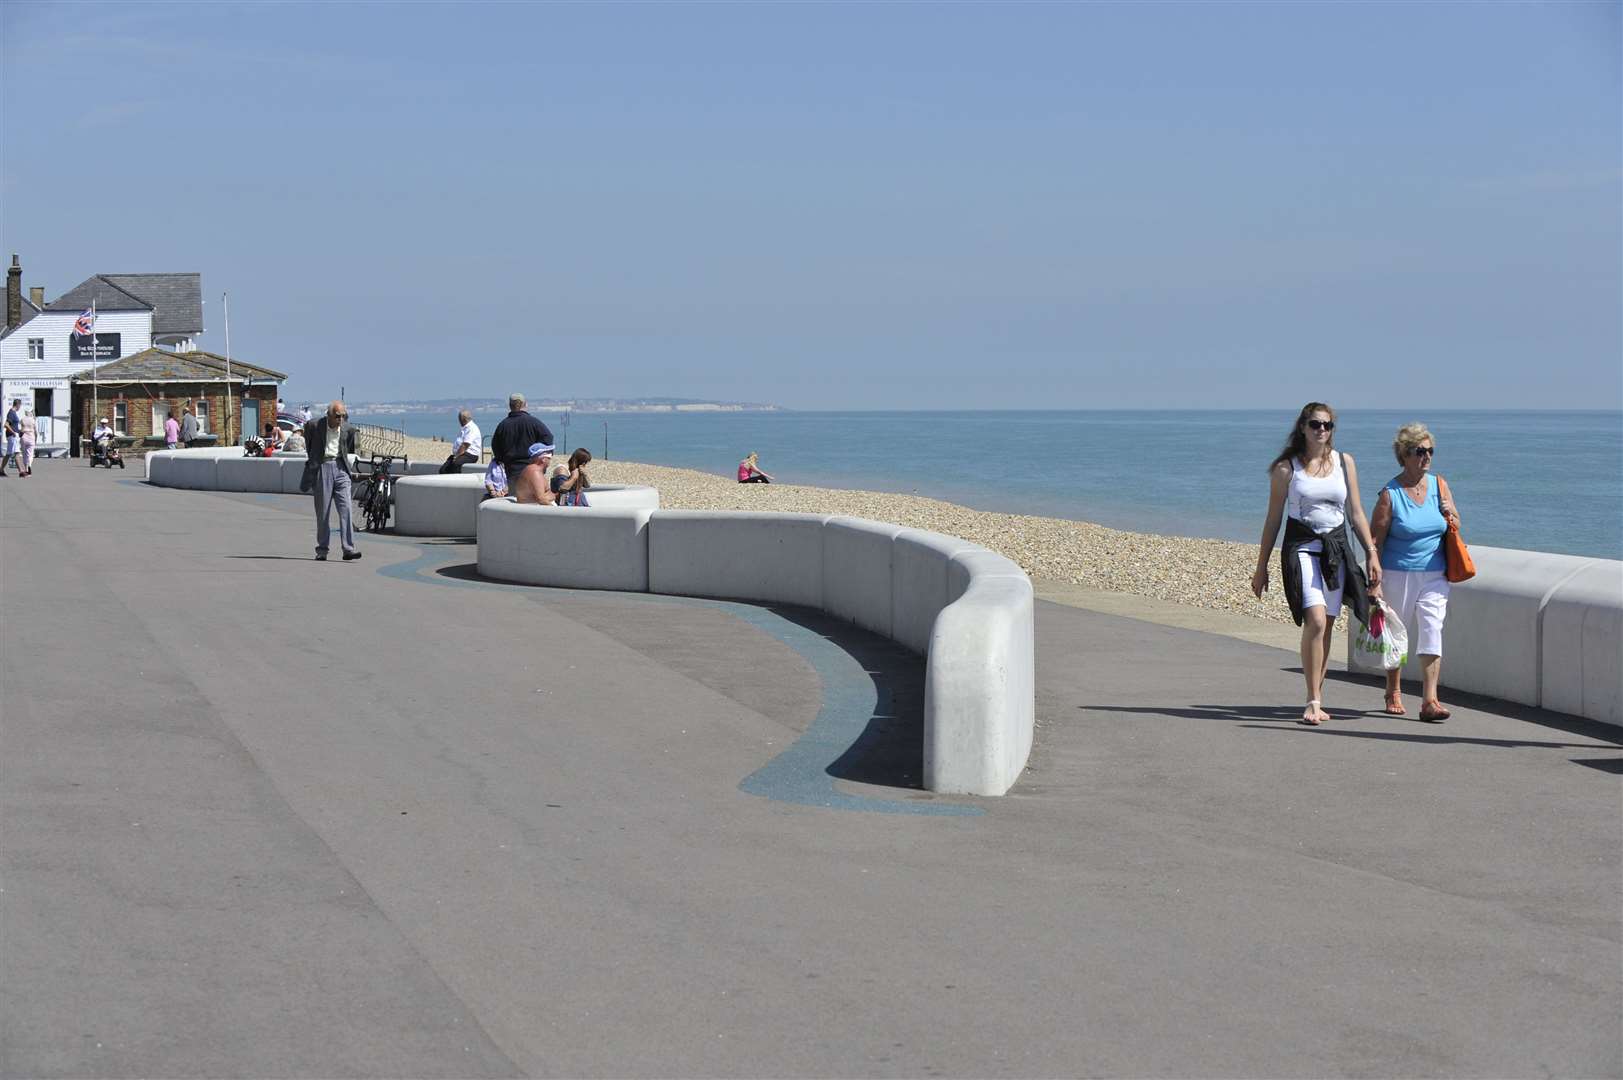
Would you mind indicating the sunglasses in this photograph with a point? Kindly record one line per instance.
(1421, 451)
(1322, 425)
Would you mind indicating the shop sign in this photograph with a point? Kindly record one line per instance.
(93, 346)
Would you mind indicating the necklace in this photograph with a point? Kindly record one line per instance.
(1417, 491)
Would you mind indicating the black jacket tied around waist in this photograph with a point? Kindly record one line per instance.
(1336, 563)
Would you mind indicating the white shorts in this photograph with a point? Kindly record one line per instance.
(1420, 597)
(1314, 593)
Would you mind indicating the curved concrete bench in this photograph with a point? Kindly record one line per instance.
(967, 609)
(227, 469)
(449, 505)
(1539, 629)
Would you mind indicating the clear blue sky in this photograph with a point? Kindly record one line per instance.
(849, 205)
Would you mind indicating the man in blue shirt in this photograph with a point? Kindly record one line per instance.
(14, 430)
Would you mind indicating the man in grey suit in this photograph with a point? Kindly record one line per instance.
(329, 441)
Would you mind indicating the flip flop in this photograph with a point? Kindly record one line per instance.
(1394, 705)
(1311, 721)
(1432, 712)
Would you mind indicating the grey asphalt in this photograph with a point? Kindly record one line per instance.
(270, 817)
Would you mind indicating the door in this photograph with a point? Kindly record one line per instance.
(42, 417)
(250, 419)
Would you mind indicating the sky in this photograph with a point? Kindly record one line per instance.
(848, 205)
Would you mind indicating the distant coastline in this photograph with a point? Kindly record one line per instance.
(579, 405)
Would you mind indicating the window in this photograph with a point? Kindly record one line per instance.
(36, 348)
(121, 417)
(202, 414)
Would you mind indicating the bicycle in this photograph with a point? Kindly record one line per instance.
(377, 492)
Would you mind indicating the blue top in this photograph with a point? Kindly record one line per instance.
(1415, 539)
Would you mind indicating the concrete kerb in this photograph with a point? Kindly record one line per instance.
(569, 547)
(970, 610)
(1582, 641)
(448, 505)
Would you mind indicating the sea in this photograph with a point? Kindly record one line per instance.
(1541, 481)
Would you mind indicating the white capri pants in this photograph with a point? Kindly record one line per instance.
(1314, 593)
(1420, 597)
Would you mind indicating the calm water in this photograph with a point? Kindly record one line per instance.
(1545, 481)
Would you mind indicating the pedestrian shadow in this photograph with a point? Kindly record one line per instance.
(1235, 713)
(287, 558)
(1462, 699)
(1441, 740)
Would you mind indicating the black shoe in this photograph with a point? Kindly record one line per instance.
(321, 556)
(351, 555)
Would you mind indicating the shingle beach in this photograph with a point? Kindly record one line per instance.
(1212, 574)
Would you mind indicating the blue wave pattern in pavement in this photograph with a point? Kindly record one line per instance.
(800, 773)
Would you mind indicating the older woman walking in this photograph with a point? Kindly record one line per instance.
(1314, 488)
(1411, 518)
(30, 435)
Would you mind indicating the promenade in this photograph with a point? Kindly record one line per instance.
(270, 817)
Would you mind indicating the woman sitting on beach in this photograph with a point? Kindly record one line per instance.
(1411, 516)
(749, 471)
(570, 482)
(1318, 488)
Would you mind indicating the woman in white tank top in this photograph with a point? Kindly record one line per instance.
(1317, 489)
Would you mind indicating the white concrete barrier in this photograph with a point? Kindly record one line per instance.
(248, 474)
(968, 609)
(776, 558)
(919, 583)
(980, 686)
(1582, 651)
(437, 505)
(1538, 629)
(448, 505)
(569, 547)
(857, 581)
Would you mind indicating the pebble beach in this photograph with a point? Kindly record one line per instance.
(1212, 574)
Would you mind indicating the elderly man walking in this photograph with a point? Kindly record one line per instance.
(329, 441)
(510, 443)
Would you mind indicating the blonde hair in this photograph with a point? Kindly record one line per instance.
(1410, 436)
(750, 458)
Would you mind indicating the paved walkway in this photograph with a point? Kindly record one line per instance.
(269, 817)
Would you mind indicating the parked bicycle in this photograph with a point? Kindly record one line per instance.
(376, 492)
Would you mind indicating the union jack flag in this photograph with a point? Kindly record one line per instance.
(86, 323)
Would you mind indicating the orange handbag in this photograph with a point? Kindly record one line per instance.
(1460, 566)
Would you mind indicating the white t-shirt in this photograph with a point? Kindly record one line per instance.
(470, 436)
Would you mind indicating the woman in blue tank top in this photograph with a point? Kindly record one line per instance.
(1410, 518)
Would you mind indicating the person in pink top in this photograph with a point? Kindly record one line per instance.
(749, 471)
(171, 432)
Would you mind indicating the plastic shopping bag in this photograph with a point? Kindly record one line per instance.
(1383, 646)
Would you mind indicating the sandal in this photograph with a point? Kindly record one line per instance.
(1432, 712)
(1394, 704)
(1307, 714)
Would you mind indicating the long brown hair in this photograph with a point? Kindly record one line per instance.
(1297, 442)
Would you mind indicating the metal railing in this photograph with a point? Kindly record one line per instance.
(373, 439)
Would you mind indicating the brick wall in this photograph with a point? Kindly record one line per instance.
(140, 399)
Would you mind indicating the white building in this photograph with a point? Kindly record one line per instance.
(39, 348)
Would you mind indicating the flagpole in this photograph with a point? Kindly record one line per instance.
(225, 299)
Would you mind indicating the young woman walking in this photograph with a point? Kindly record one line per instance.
(1313, 488)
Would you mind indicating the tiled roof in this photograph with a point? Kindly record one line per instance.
(161, 365)
(175, 300)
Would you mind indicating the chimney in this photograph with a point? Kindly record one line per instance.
(36, 296)
(14, 293)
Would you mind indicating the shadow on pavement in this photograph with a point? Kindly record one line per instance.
(889, 751)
